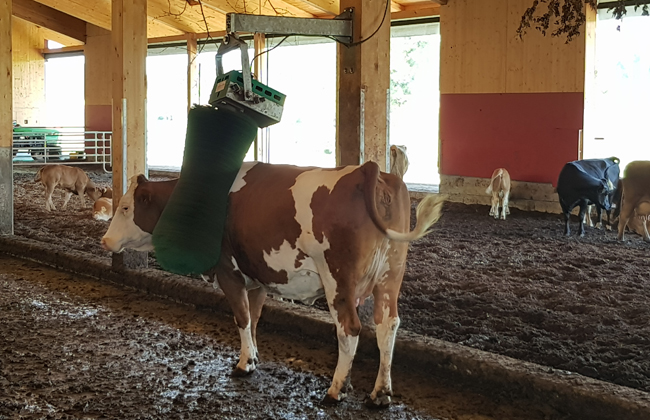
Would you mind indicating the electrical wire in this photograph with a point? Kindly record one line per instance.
(361, 41)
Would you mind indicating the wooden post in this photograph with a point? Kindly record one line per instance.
(98, 89)
(6, 113)
(129, 40)
(363, 81)
(192, 72)
(261, 151)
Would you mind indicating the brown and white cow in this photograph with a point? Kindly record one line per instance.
(399, 161)
(500, 189)
(635, 198)
(302, 233)
(103, 209)
(72, 180)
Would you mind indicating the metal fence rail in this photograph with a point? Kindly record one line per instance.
(36, 145)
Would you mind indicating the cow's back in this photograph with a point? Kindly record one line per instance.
(636, 182)
(283, 217)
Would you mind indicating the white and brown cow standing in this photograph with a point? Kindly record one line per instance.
(399, 161)
(302, 233)
(72, 180)
(499, 188)
(635, 198)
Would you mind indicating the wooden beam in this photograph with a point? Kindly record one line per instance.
(176, 38)
(395, 7)
(363, 81)
(50, 18)
(129, 40)
(72, 48)
(192, 72)
(99, 14)
(6, 115)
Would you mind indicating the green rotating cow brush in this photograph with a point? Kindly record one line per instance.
(187, 238)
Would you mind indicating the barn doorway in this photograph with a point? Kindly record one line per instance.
(616, 120)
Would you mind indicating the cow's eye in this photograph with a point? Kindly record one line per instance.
(125, 208)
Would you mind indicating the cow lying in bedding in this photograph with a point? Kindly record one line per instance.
(302, 233)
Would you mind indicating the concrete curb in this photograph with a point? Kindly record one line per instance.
(505, 378)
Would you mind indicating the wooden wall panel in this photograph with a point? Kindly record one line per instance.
(473, 47)
(98, 66)
(540, 63)
(29, 73)
(481, 52)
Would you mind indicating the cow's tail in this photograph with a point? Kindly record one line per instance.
(493, 181)
(427, 213)
(38, 174)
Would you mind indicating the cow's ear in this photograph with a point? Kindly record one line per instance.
(141, 178)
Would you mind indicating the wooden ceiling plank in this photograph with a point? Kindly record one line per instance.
(97, 12)
(184, 17)
(269, 8)
(330, 7)
(47, 17)
(417, 11)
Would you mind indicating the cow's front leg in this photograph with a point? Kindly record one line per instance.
(599, 216)
(567, 217)
(581, 217)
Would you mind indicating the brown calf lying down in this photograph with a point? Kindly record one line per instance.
(399, 162)
(500, 190)
(72, 180)
(103, 209)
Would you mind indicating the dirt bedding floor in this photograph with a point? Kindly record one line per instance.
(518, 287)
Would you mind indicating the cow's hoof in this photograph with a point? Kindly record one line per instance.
(382, 400)
(238, 372)
(329, 400)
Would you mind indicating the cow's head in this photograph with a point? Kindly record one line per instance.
(94, 192)
(123, 231)
(606, 194)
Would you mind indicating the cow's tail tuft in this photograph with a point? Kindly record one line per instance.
(427, 213)
(38, 174)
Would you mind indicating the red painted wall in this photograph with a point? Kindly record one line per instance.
(531, 134)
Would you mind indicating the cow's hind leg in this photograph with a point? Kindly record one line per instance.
(504, 205)
(49, 204)
(66, 198)
(387, 321)
(494, 210)
(624, 217)
(342, 305)
(256, 298)
(233, 285)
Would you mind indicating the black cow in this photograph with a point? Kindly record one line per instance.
(585, 182)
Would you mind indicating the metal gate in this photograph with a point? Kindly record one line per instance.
(39, 145)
